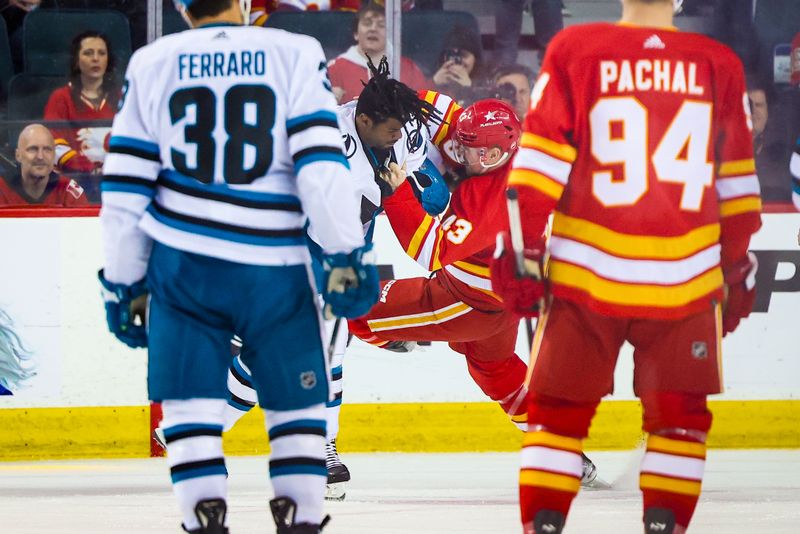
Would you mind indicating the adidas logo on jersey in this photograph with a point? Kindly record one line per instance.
(654, 41)
(657, 527)
(221, 35)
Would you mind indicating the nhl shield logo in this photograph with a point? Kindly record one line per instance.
(308, 379)
(699, 350)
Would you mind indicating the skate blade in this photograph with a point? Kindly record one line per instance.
(596, 484)
(335, 492)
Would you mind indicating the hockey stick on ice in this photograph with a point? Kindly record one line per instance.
(517, 246)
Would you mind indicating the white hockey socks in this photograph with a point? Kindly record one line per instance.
(193, 433)
(297, 463)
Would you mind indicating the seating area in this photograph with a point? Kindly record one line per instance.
(34, 60)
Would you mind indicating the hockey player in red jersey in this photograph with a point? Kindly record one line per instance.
(638, 139)
(456, 303)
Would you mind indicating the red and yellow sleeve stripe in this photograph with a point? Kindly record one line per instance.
(542, 164)
(737, 188)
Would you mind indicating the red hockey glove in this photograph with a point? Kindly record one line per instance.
(524, 295)
(740, 287)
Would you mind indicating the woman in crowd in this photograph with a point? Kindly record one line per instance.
(91, 94)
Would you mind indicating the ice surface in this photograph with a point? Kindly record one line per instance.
(746, 492)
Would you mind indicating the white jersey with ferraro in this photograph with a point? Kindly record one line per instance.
(226, 139)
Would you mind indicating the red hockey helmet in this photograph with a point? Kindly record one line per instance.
(488, 123)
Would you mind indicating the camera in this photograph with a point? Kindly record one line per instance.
(454, 55)
(505, 91)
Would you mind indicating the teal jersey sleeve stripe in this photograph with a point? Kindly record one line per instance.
(118, 187)
(120, 141)
(320, 156)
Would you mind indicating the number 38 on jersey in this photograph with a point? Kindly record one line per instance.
(249, 115)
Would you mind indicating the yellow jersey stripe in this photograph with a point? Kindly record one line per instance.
(635, 246)
(435, 317)
(561, 151)
(478, 270)
(536, 180)
(435, 263)
(671, 485)
(674, 446)
(735, 168)
(68, 155)
(445, 126)
(629, 294)
(548, 439)
(554, 481)
(730, 208)
(419, 235)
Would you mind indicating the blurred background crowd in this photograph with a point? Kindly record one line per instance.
(62, 64)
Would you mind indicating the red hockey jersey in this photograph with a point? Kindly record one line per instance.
(462, 240)
(639, 139)
(441, 134)
(60, 191)
(261, 9)
(347, 71)
(83, 148)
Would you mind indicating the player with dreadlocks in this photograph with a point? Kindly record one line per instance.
(387, 125)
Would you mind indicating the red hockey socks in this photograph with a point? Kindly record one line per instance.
(551, 468)
(672, 468)
(504, 382)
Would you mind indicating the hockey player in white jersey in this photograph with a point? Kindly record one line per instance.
(388, 124)
(226, 140)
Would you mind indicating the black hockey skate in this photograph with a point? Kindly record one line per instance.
(660, 521)
(284, 510)
(548, 522)
(338, 473)
(400, 346)
(211, 514)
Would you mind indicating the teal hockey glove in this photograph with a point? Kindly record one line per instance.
(124, 303)
(351, 283)
(430, 188)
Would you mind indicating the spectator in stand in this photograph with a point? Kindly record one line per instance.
(460, 65)
(261, 9)
(547, 21)
(92, 94)
(348, 72)
(35, 182)
(772, 155)
(14, 12)
(516, 81)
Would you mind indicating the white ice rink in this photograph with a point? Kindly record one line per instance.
(745, 492)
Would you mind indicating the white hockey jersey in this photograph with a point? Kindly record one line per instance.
(365, 161)
(226, 138)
